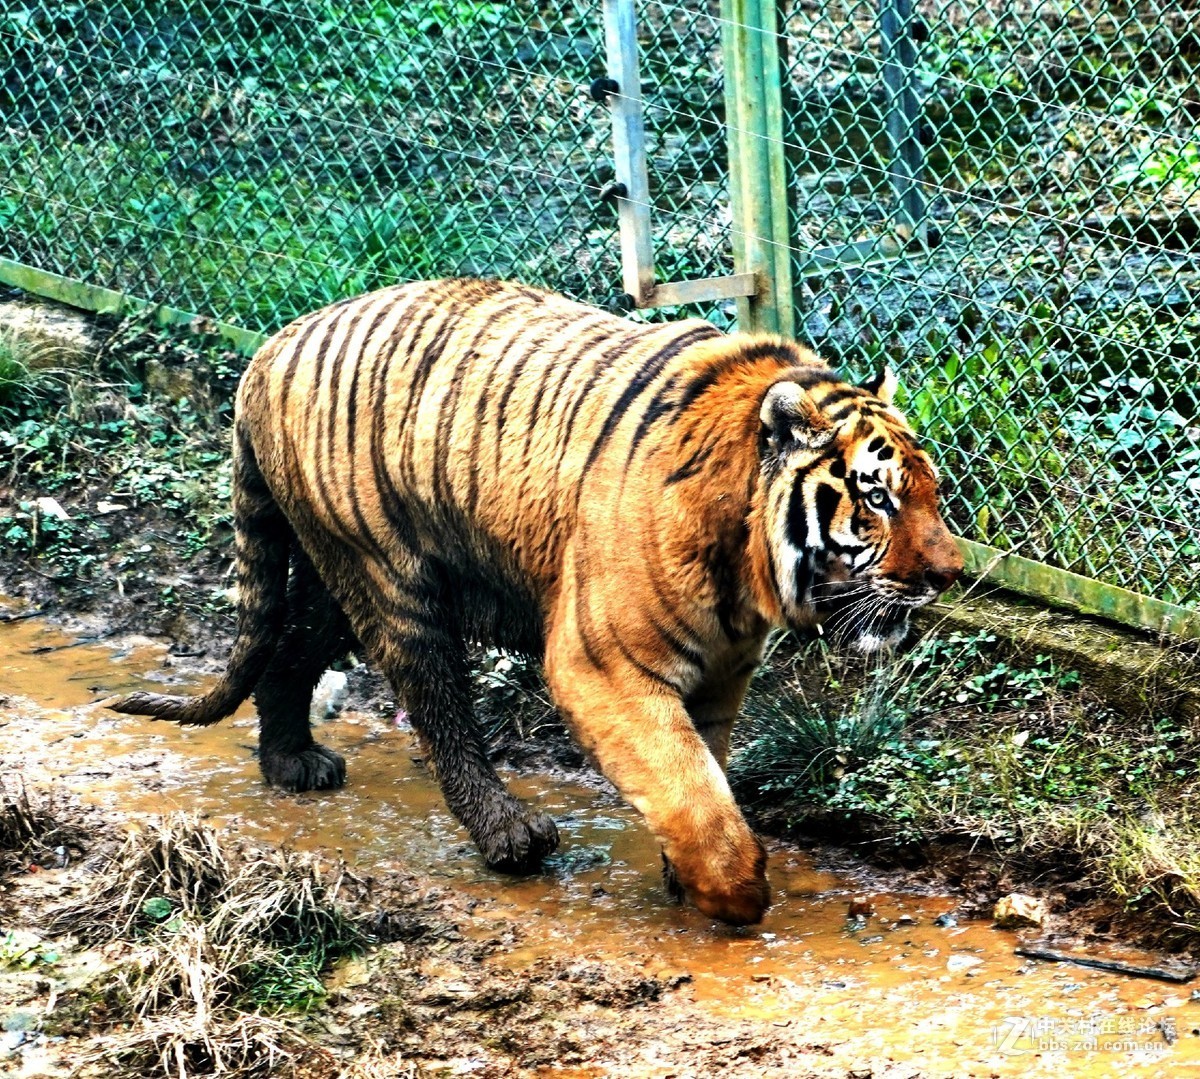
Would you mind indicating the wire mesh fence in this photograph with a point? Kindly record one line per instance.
(1001, 198)
(1047, 327)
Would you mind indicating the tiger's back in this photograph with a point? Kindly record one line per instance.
(444, 374)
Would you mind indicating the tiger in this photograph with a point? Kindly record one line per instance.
(635, 505)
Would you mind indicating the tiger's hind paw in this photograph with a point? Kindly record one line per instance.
(313, 769)
(519, 845)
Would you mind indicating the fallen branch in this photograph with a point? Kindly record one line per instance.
(1112, 965)
(21, 616)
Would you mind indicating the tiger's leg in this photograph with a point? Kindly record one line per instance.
(713, 708)
(643, 739)
(413, 633)
(316, 634)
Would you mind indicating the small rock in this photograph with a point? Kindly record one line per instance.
(19, 1021)
(50, 507)
(110, 507)
(860, 907)
(962, 962)
(1016, 911)
(945, 921)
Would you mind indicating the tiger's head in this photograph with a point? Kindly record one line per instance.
(851, 517)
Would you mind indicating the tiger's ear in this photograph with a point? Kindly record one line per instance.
(883, 385)
(791, 420)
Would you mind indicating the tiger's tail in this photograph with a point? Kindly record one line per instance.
(263, 538)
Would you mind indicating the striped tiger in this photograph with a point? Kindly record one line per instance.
(635, 505)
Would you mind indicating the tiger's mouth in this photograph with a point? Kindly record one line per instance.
(865, 612)
(854, 615)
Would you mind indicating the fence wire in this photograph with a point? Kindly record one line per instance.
(252, 161)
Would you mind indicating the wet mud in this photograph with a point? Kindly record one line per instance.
(586, 969)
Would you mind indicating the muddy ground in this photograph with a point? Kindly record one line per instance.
(586, 970)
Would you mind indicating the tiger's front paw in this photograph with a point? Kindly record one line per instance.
(519, 844)
(732, 888)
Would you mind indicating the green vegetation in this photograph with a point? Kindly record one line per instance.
(138, 433)
(1047, 455)
(956, 741)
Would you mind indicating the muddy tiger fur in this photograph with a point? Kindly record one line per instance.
(635, 505)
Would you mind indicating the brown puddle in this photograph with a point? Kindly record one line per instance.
(949, 1000)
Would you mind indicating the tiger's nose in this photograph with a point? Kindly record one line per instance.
(940, 578)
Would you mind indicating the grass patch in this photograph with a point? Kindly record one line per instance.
(958, 742)
(225, 945)
(29, 375)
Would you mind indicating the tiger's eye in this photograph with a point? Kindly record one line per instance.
(878, 498)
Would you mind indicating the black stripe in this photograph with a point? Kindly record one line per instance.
(364, 533)
(444, 433)
(797, 518)
(323, 448)
(689, 468)
(827, 501)
(601, 362)
(803, 577)
(393, 508)
(649, 672)
(474, 439)
(657, 408)
(640, 383)
(835, 396)
(685, 651)
(289, 373)
(426, 365)
(518, 368)
(584, 624)
(747, 356)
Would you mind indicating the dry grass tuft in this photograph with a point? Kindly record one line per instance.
(177, 860)
(237, 1044)
(1152, 862)
(225, 943)
(34, 829)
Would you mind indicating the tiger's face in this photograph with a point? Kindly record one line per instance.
(858, 542)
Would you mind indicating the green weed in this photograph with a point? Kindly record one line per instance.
(955, 740)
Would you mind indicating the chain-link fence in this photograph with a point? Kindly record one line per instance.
(253, 160)
(1002, 198)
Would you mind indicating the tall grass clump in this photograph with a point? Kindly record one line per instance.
(792, 744)
(224, 946)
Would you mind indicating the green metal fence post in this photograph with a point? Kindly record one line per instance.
(904, 112)
(757, 163)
